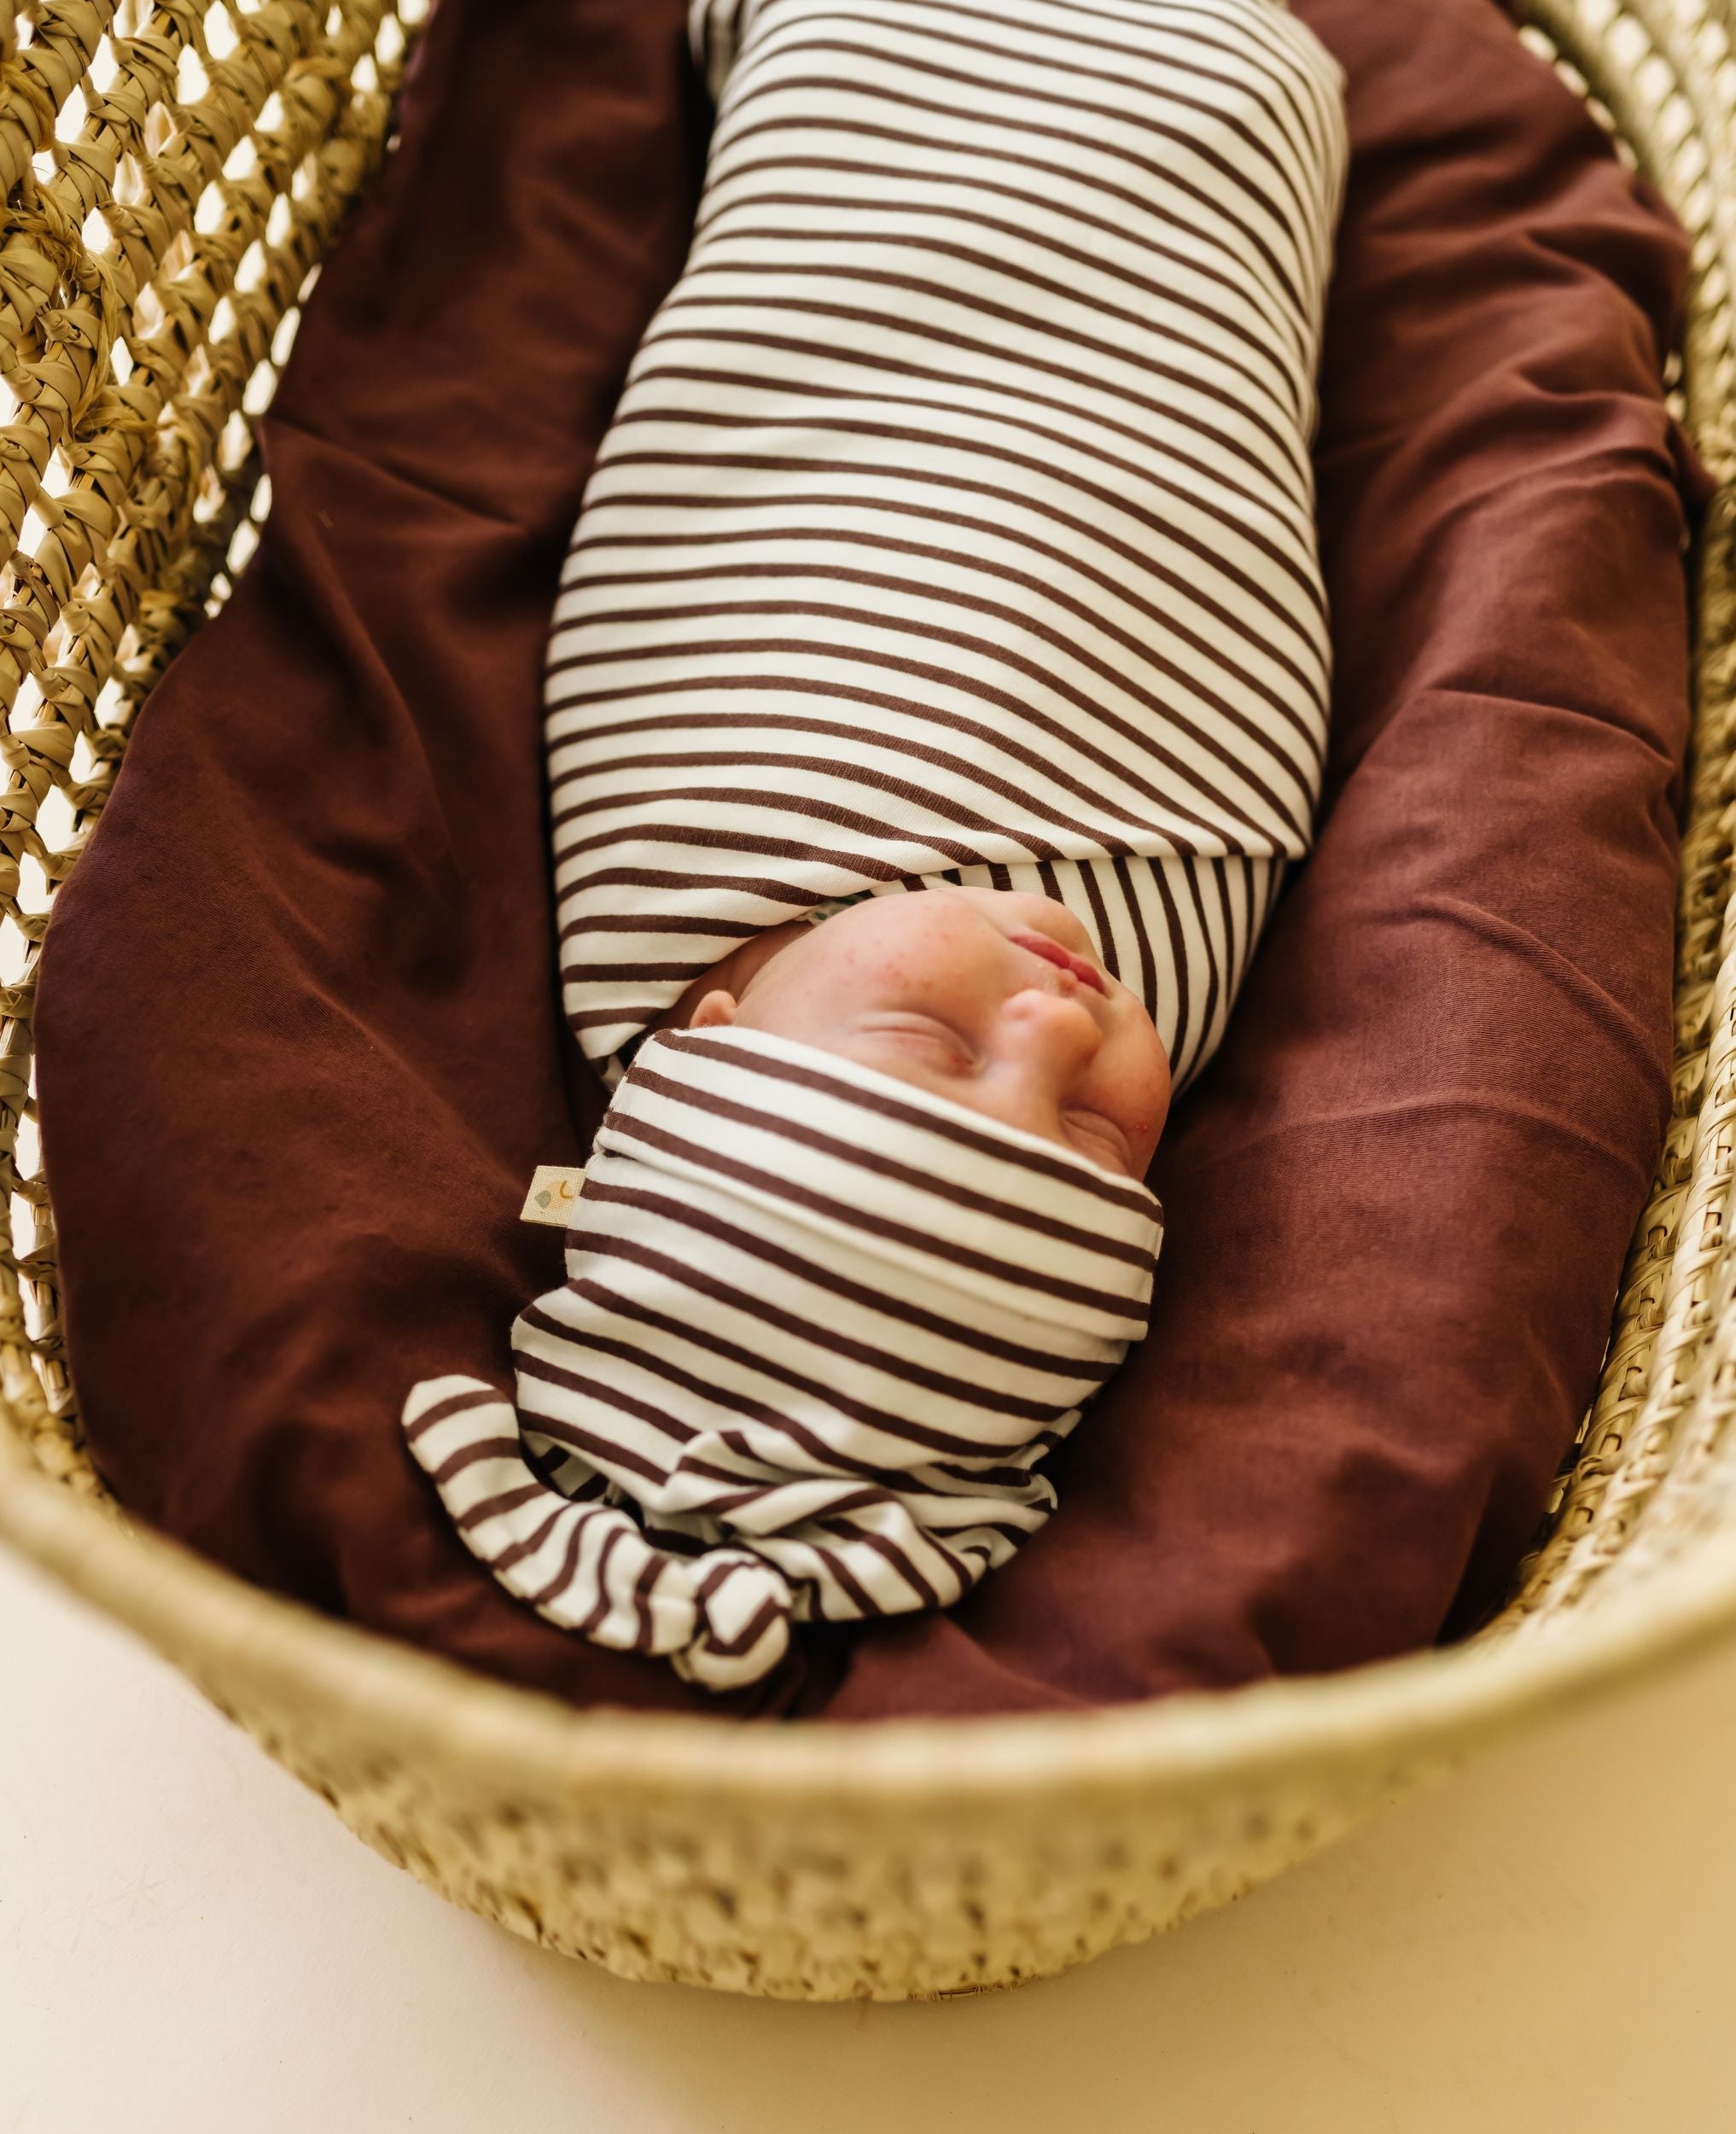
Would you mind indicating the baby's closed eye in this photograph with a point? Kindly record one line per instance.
(948, 1050)
(929, 1034)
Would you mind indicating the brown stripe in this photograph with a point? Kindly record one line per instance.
(610, 1450)
(698, 835)
(606, 1244)
(588, 1340)
(1136, 924)
(623, 877)
(1049, 325)
(861, 861)
(897, 325)
(638, 972)
(670, 922)
(639, 1014)
(1078, 1176)
(1118, 501)
(656, 1364)
(1278, 318)
(1143, 562)
(642, 1587)
(856, 735)
(468, 1456)
(611, 1542)
(846, 771)
(764, 1361)
(1094, 890)
(866, 1538)
(562, 1578)
(676, 1540)
(716, 1576)
(492, 1507)
(855, 1218)
(1274, 503)
(974, 447)
(779, 721)
(1158, 876)
(1052, 60)
(768, 1612)
(822, 1277)
(969, 686)
(950, 115)
(1107, 1301)
(1002, 654)
(1209, 1015)
(770, 800)
(966, 1481)
(855, 1593)
(509, 1559)
(744, 204)
(1276, 873)
(454, 1404)
(1282, 76)
(1067, 558)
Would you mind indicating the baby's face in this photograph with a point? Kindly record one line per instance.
(991, 997)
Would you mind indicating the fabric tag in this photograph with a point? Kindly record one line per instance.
(553, 1191)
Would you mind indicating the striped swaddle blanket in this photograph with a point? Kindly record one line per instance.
(955, 524)
(956, 520)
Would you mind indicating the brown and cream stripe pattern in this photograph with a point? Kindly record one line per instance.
(956, 525)
(817, 1332)
(956, 520)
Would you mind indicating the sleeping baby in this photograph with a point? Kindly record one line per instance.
(936, 696)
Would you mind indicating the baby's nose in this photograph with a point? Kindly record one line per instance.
(1054, 1025)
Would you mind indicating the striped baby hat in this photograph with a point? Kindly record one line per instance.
(818, 1332)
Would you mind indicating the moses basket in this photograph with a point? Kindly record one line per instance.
(173, 172)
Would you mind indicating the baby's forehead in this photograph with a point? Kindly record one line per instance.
(941, 904)
(955, 919)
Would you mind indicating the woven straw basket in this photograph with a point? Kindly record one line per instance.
(173, 172)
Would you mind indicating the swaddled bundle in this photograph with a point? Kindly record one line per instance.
(955, 529)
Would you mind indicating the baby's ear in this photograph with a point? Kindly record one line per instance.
(717, 1006)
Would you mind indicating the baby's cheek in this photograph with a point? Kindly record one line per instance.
(925, 967)
(1146, 1090)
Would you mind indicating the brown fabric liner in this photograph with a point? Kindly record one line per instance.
(298, 1042)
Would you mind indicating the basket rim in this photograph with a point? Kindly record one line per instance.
(422, 1708)
(409, 1707)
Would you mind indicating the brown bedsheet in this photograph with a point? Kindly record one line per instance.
(298, 1041)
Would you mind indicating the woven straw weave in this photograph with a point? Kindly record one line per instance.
(173, 174)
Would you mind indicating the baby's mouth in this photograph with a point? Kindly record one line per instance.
(1063, 958)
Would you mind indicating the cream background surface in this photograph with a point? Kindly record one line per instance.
(189, 1944)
